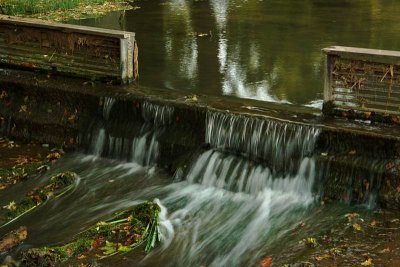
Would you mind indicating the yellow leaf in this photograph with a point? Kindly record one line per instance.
(23, 108)
(11, 206)
(323, 257)
(367, 262)
(373, 223)
(357, 227)
(311, 242)
(351, 216)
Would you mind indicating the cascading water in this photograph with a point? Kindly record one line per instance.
(280, 145)
(143, 148)
(231, 206)
(227, 207)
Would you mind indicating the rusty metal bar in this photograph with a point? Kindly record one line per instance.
(73, 50)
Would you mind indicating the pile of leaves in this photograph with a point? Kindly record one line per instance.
(58, 185)
(25, 166)
(123, 232)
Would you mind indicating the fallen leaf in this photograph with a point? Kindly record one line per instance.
(323, 257)
(335, 251)
(23, 108)
(266, 262)
(311, 242)
(3, 94)
(357, 227)
(373, 223)
(53, 156)
(21, 160)
(11, 206)
(367, 115)
(98, 242)
(351, 216)
(386, 250)
(367, 262)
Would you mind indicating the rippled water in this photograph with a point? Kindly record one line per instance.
(268, 50)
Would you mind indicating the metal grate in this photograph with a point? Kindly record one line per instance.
(363, 80)
(68, 49)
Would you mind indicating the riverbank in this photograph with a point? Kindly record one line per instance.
(62, 10)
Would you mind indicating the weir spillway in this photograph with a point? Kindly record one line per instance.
(173, 128)
(232, 176)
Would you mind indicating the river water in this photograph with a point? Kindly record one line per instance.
(238, 201)
(244, 197)
(261, 49)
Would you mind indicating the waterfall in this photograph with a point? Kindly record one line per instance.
(215, 169)
(280, 145)
(232, 199)
(108, 103)
(140, 144)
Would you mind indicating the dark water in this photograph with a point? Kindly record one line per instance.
(267, 50)
(224, 209)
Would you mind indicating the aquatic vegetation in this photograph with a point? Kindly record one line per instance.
(24, 166)
(123, 232)
(60, 9)
(58, 185)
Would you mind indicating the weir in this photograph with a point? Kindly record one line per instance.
(173, 129)
(232, 177)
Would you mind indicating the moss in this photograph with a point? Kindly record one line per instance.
(121, 233)
(58, 184)
(20, 172)
(43, 256)
(81, 245)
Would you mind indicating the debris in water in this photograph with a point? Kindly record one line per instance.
(368, 262)
(122, 233)
(357, 227)
(311, 242)
(266, 262)
(24, 165)
(58, 185)
(13, 239)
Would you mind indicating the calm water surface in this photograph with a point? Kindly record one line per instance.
(266, 50)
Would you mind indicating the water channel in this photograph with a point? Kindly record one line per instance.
(243, 196)
(267, 50)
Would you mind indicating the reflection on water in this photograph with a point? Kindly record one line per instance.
(266, 50)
